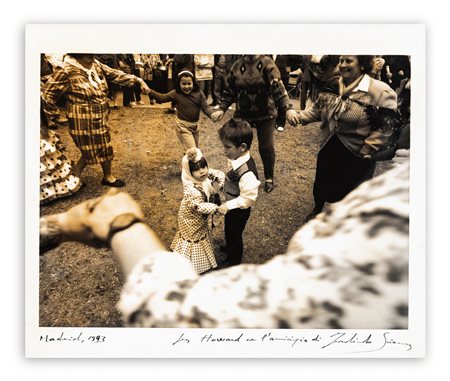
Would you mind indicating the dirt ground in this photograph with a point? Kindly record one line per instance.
(80, 285)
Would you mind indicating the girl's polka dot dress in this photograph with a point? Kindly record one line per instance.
(193, 238)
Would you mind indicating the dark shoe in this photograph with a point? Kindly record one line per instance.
(224, 263)
(227, 263)
(268, 187)
(117, 184)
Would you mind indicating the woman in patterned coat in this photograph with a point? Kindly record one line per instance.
(83, 81)
(349, 136)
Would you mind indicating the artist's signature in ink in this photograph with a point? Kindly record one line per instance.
(77, 338)
(370, 342)
(386, 340)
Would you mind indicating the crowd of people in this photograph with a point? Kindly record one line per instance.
(336, 91)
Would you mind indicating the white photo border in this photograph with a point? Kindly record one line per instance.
(234, 39)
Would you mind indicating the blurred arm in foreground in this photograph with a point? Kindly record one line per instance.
(347, 268)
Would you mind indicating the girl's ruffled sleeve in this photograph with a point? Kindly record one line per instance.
(217, 178)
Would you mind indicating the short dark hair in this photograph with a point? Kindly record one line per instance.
(366, 63)
(237, 132)
(186, 73)
(202, 163)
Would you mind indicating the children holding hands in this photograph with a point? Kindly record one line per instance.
(240, 188)
(200, 183)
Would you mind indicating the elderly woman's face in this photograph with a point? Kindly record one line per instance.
(349, 68)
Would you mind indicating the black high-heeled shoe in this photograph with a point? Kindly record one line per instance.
(268, 186)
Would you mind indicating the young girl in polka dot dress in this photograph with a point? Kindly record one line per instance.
(193, 238)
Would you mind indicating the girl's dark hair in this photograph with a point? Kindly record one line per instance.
(186, 73)
(237, 132)
(366, 63)
(202, 163)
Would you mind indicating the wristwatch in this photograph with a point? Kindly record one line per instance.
(122, 222)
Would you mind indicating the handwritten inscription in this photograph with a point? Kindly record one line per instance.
(289, 339)
(353, 342)
(391, 341)
(386, 340)
(343, 338)
(348, 342)
(78, 338)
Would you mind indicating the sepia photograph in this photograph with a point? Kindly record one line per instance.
(233, 196)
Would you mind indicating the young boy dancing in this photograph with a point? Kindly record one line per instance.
(241, 186)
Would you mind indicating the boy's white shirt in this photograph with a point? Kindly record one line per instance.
(248, 185)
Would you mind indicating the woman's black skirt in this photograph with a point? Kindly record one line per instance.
(339, 172)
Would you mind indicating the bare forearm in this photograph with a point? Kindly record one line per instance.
(133, 244)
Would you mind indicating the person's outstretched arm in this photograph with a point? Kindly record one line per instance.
(90, 223)
(323, 281)
(122, 78)
(162, 98)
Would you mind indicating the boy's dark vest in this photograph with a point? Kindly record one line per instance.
(231, 187)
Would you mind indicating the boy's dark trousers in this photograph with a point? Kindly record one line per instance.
(235, 221)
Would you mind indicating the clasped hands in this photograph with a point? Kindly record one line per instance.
(222, 209)
(144, 88)
(292, 117)
(90, 221)
(217, 115)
